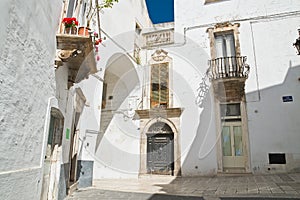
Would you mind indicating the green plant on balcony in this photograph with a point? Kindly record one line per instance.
(93, 9)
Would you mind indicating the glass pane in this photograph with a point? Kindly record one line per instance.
(70, 8)
(230, 110)
(164, 76)
(154, 85)
(230, 47)
(155, 74)
(226, 141)
(238, 140)
(155, 96)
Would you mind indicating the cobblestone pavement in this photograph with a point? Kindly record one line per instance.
(275, 187)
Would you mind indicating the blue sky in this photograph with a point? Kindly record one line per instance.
(160, 10)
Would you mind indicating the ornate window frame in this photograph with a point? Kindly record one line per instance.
(157, 58)
(224, 28)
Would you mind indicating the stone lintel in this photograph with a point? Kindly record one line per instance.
(158, 112)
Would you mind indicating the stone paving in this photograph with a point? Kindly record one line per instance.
(280, 186)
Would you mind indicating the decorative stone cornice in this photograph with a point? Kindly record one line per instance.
(159, 55)
(159, 112)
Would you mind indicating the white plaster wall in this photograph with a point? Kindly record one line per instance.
(123, 16)
(267, 31)
(273, 124)
(197, 13)
(197, 125)
(27, 51)
(116, 156)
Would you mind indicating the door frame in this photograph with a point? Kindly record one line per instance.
(50, 186)
(174, 124)
(244, 124)
(79, 102)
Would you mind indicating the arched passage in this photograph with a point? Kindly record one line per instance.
(120, 80)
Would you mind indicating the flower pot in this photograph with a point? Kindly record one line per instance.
(70, 30)
(83, 31)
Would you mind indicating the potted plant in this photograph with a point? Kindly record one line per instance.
(71, 24)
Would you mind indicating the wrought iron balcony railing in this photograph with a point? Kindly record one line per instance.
(228, 67)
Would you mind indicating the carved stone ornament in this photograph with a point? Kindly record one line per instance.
(64, 55)
(159, 55)
(160, 127)
(226, 24)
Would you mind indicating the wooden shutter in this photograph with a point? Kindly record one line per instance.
(159, 96)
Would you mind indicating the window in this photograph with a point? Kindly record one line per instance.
(230, 112)
(224, 45)
(104, 94)
(71, 8)
(159, 85)
(224, 40)
(138, 29)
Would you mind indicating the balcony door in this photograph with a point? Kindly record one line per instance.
(224, 44)
(225, 53)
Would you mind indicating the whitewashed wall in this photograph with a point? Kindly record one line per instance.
(27, 51)
(267, 31)
(115, 153)
(197, 125)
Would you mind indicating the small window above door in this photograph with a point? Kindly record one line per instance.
(230, 111)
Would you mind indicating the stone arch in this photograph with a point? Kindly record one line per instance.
(160, 119)
(120, 80)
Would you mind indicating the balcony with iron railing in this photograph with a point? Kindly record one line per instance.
(228, 67)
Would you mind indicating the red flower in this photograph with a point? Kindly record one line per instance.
(70, 22)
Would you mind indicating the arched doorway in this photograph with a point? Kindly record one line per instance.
(160, 149)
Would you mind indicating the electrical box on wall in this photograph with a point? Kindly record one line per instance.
(277, 158)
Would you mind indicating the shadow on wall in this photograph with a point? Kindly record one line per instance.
(280, 116)
(269, 116)
(201, 153)
(120, 79)
(273, 122)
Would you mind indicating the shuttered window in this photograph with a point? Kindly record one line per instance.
(224, 44)
(159, 96)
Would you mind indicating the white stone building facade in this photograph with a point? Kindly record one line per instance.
(215, 91)
(263, 32)
(243, 124)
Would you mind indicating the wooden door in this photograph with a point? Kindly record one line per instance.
(233, 146)
(160, 154)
